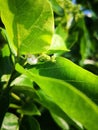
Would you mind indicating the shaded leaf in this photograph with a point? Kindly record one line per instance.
(2, 37)
(5, 72)
(63, 124)
(29, 109)
(85, 42)
(29, 123)
(23, 88)
(4, 103)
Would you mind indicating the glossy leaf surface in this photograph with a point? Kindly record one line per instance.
(66, 70)
(73, 102)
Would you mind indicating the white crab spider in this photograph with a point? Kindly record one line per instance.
(32, 59)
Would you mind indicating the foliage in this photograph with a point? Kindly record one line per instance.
(49, 67)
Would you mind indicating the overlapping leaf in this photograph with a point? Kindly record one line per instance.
(66, 70)
(29, 25)
(73, 102)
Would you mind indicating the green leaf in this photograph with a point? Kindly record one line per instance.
(6, 63)
(63, 124)
(19, 68)
(22, 80)
(2, 37)
(29, 25)
(58, 45)
(5, 71)
(10, 122)
(29, 109)
(61, 31)
(29, 123)
(57, 8)
(24, 92)
(85, 43)
(71, 39)
(66, 70)
(71, 101)
(23, 88)
(53, 108)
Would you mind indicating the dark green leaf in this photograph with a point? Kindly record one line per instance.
(4, 103)
(29, 109)
(6, 63)
(29, 123)
(2, 37)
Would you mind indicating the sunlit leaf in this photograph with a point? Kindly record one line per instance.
(10, 122)
(58, 45)
(70, 100)
(46, 101)
(29, 25)
(66, 70)
(57, 8)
